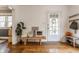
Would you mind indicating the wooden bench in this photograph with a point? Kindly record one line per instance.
(38, 37)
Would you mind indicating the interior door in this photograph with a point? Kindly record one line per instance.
(53, 27)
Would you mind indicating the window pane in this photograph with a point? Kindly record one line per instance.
(50, 28)
(2, 18)
(9, 18)
(5, 21)
(2, 24)
(9, 24)
(54, 32)
(9, 21)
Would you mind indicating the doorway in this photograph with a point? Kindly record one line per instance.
(53, 27)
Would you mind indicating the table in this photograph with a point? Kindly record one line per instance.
(37, 37)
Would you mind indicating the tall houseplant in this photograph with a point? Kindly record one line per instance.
(19, 29)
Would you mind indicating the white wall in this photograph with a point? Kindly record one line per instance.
(38, 16)
(74, 9)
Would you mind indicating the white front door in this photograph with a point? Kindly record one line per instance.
(53, 27)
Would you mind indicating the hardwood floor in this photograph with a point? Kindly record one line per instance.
(4, 46)
(50, 47)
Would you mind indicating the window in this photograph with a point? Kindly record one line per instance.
(2, 21)
(9, 21)
(5, 21)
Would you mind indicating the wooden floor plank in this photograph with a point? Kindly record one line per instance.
(32, 47)
(50, 47)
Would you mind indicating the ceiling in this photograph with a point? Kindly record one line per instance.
(4, 7)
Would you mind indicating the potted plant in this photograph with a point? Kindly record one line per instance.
(19, 30)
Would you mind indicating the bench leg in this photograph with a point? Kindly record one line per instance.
(25, 41)
(74, 45)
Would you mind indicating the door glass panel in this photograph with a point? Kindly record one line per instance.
(53, 24)
(53, 27)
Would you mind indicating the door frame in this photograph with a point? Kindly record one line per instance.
(59, 13)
